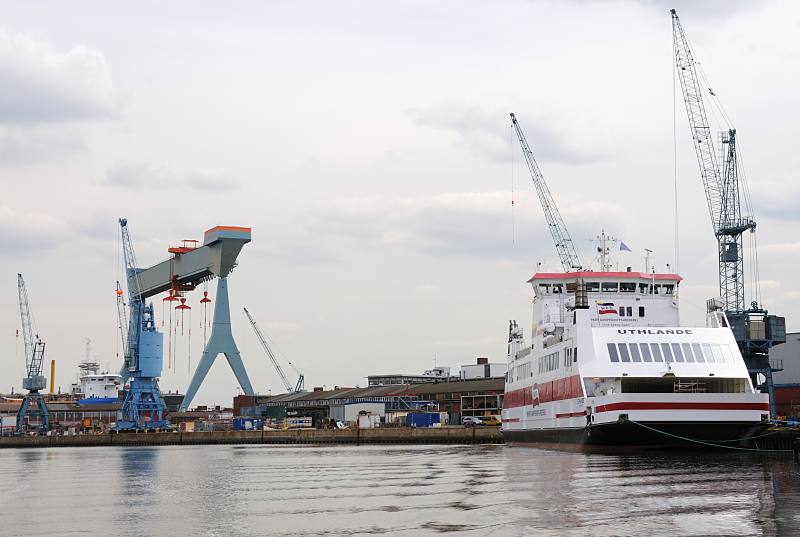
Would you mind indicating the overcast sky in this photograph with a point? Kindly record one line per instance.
(368, 145)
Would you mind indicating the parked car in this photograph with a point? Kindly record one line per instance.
(491, 421)
(471, 421)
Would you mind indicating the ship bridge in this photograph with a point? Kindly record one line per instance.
(612, 298)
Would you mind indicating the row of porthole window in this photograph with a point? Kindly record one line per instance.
(671, 352)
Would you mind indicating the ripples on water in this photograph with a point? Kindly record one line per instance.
(395, 490)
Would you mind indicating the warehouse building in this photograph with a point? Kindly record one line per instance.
(480, 397)
(786, 357)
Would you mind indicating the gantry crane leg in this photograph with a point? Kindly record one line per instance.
(220, 342)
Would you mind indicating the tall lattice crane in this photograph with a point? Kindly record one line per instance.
(570, 260)
(755, 331)
(34, 356)
(143, 407)
(298, 387)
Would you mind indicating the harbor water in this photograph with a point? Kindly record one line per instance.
(392, 490)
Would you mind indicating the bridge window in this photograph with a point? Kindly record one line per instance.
(609, 287)
(645, 352)
(612, 352)
(623, 353)
(698, 353)
(635, 352)
(687, 352)
(656, 352)
(644, 288)
(676, 350)
(593, 287)
(667, 352)
(626, 287)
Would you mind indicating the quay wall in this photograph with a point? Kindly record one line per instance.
(437, 435)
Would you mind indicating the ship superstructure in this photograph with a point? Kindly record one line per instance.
(608, 363)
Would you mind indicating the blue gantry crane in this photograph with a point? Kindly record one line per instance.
(190, 265)
(34, 356)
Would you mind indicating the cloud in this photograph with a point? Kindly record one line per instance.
(453, 224)
(707, 9)
(780, 251)
(23, 233)
(27, 145)
(776, 200)
(42, 85)
(487, 133)
(145, 175)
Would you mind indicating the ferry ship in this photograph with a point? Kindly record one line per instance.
(608, 364)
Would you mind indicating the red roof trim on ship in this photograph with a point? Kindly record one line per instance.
(654, 405)
(603, 275)
(229, 228)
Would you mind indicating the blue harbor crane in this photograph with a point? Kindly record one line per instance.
(34, 356)
(570, 260)
(190, 265)
(755, 331)
(143, 408)
(299, 385)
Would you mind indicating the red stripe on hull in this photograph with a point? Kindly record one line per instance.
(571, 414)
(548, 391)
(650, 405)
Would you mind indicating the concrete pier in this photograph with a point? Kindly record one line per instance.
(437, 435)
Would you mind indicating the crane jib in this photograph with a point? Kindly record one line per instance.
(567, 254)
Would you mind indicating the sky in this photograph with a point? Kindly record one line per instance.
(369, 147)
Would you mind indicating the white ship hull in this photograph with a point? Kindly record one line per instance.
(598, 376)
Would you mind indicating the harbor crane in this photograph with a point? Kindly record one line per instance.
(34, 356)
(570, 260)
(298, 387)
(755, 331)
(143, 407)
(189, 266)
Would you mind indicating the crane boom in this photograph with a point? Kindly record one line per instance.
(720, 182)
(698, 121)
(25, 315)
(755, 331)
(135, 302)
(564, 246)
(123, 319)
(34, 356)
(263, 340)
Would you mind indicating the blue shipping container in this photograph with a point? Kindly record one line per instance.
(426, 419)
(248, 424)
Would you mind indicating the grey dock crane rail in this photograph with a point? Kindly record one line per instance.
(570, 260)
(298, 387)
(34, 356)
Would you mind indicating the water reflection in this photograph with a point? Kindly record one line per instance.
(397, 490)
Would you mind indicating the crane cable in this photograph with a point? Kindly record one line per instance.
(675, 155)
(511, 148)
